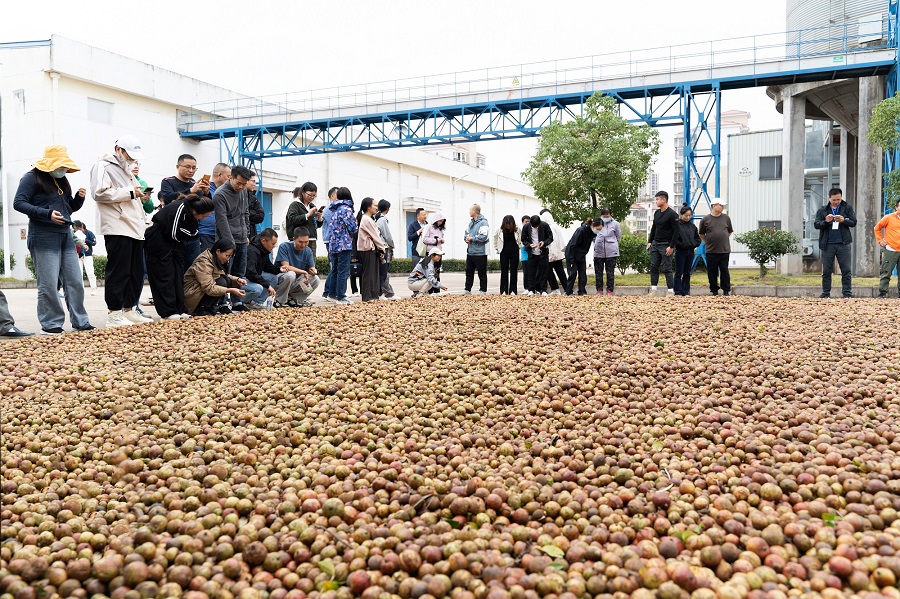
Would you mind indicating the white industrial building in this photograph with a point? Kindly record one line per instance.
(755, 180)
(59, 91)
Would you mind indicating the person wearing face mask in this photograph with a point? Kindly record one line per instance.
(687, 239)
(606, 251)
(45, 196)
(119, 200)
(576, 256)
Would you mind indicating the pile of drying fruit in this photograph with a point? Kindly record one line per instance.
(462, 447)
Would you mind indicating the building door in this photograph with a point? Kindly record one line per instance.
(265, 198)
(410, 219)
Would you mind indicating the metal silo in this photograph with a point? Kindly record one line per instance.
(825, 25)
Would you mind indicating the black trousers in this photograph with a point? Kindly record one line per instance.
(843, 254)
(609, 265)
(509, 273)
(370, 279)
(717, 269)
(165, 273)
(560, 270)
(526, 274)
(207, 303)
(684, 259)
(478, 263)
(124, 271)
(539, 266)
(577, 266)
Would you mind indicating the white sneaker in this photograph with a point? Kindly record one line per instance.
(544, 294)
(556, 292)
(652, 292)
(135, 318)
(117, 319)
(670, 293)
(173, 317)
(355, 294)
(343, 301)
(185, 316)
(330, 299)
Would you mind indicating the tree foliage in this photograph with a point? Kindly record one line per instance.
(598, 159)
(885, 132)
(768, 243)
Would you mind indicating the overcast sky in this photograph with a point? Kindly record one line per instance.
(277, 46)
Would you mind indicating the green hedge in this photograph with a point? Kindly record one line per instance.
(99, 266)
(405, 265)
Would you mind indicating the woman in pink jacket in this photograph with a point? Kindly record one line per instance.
(369, 249)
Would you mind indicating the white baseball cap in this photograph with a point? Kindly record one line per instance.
(130, 144)
(718, 201)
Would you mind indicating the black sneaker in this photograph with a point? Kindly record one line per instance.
(86, 328)
(204, 312)
(51, 331)
(291, 303)
(239, 308)
(223, 310)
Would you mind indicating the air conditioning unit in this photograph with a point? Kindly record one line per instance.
(807, 249)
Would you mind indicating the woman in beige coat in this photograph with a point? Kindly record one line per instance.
(205, 282)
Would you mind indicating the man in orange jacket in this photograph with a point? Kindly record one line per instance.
(887, 234)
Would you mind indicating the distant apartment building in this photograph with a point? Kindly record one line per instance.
(638, 219)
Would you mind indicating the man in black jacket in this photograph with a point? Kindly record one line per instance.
(576, 256)
(834, 220)
(256, 211)
(262, 271)
(661, 243)
(536, 239)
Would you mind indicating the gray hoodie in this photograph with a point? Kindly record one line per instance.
(232, 213)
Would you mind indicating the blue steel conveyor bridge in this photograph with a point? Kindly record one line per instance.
(668, 86)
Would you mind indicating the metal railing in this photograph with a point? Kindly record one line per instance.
(546, 78)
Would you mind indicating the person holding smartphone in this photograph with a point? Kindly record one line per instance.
(45, 196)
(119, 200)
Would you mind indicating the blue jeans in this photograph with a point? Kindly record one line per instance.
(54, 257)
(255, 293)
(192, 249)
(238, 266)
(337, 288)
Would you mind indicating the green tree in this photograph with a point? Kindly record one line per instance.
(767, 244)
(885, 132)
(598, 158)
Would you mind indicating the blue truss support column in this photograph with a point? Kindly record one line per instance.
(702, 147)
(892, 82)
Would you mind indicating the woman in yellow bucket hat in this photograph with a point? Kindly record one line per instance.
(45, 196)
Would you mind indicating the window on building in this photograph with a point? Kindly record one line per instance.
(770, 224)
(99, 111)
(481, 162)
(460, 156)
(769, 168)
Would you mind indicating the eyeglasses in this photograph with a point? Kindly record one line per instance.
(186, 167)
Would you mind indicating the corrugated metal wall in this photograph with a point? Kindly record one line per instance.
(807, 14)
(749, 199)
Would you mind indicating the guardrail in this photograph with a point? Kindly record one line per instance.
(516, 80)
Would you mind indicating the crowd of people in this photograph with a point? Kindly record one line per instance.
(201, 253)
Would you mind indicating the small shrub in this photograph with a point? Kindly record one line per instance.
(633, 254)
(768, 244)
(12, 263)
